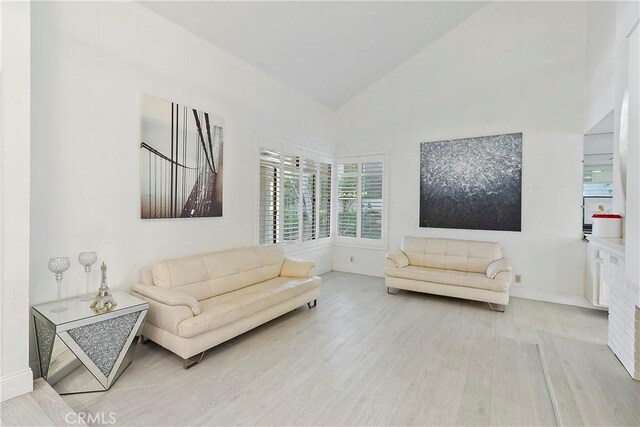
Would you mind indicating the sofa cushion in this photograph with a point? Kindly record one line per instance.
(425, 274)
(450, 254)
(208, 275)
(480, 281)
(298, 268)
(449, 277)
(232, 306)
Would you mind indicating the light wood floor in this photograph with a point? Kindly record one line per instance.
(42, 407)
(363, 357)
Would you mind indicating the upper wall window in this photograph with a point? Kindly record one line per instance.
(361, 201)
(597, 183)
(294, 196)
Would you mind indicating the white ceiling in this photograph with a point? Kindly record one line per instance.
(329, 50)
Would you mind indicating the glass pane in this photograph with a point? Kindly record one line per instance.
(347, 217)
(371, 201)
(371, 223)
(347, 199)
(291, 208)
(269, 201)
(324, 214)
(372, 167)
(347, 187)
(347, 168)
(309, 200)
(597, 178)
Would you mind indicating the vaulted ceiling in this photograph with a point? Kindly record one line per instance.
(329, 50)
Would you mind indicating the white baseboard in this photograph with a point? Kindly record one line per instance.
(16, 384)
(356, 269)
(549, 296)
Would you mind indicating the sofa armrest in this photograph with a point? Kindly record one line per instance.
(167, 296)
(505, 277)
(163, 316)
(498, 266)
(398, 258)
(297, 268)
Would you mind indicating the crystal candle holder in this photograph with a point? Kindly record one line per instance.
(59, 265)
(87, 259)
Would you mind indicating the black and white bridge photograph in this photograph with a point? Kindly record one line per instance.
(181, 158)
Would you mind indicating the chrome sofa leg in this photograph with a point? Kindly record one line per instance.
(315, 302)
(192, 361)
(143, 339)
(395, 291)
(497, 307)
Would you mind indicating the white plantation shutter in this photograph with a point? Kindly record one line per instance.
(324, 209)
(361, 201)
(309, 182)
(269, 214)
(291, 198)
(294, 196)
(371, 202)
(347, 200)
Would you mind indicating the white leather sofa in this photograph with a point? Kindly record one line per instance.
(198, 302)
(456, 268)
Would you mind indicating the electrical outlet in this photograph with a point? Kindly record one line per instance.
(518, 279)
(350, 259)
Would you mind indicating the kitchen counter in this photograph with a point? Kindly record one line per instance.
(614, 246)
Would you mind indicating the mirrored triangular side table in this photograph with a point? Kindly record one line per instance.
(82, 351)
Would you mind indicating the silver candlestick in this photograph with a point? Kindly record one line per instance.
(87, 259)
(103, 300)
(59, 265)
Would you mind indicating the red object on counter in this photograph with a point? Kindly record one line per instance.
(606, 215)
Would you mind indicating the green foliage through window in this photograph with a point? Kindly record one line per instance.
(295, 198)
(360, 192)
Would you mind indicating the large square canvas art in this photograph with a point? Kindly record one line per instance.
(472, 183)
(181, 155)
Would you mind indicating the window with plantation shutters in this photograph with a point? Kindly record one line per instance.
(360, 200)
(269, 214)
(324, 205)
(371, 201)
(295, 197)
(347, 200)
(309, 218)
(291, 198)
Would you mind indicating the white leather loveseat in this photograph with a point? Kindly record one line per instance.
(198, 302)
(456, 268)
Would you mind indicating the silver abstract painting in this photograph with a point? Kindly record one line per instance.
(472, 183)
(181, 154)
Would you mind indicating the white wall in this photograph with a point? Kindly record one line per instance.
(91, 62)
(632, 229)
(611, 68)
(627, 138)
(511, 67)
(632, 225)
(600, 61)
(15, 375)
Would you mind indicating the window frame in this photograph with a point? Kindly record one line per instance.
(358, 241)
(284, 149)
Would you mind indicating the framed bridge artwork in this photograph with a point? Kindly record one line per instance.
(472, 183)
(181, 157)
